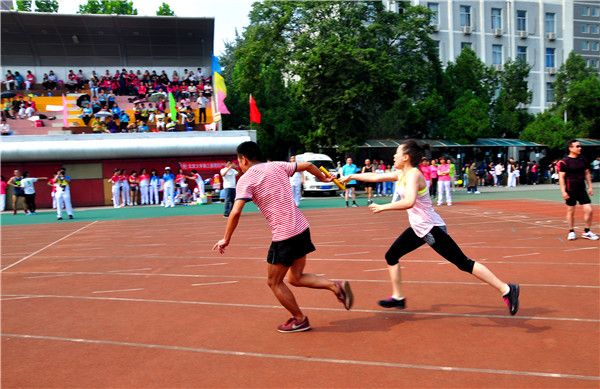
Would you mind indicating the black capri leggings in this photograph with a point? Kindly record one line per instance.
(438, 239)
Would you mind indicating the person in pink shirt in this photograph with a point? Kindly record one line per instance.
(3, 186)
(434, 178)
(268, 186)
(443, 171)
(29, 80)
(144, 180)
(426, 171)
(426, 227)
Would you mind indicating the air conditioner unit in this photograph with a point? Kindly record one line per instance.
(497, 67)
(551, 36)
(551, 71)
(497, 32)
(523, 34)
(466, 30)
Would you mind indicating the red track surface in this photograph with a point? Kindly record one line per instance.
(145, 303)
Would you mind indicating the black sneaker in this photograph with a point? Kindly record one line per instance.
(392, 303)
(512, 299)
(70, 216)
(59, 218)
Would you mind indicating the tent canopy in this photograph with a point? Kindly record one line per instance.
(48, 39)
(437, 143)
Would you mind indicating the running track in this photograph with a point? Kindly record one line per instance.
(145, 303)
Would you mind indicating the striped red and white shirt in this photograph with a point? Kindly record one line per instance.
(268, 186)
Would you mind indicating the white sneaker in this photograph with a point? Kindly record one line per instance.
(477, 192)
(590, 235)
(571, 236)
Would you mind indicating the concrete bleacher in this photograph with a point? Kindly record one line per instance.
(75, 123)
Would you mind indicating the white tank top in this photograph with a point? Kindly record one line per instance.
(422, 217)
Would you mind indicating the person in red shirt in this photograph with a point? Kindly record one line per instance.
(181, 183)
(29, 80)
(134, 187)
(52, 192)
(144, 180)
(115, 181)
(267, 185)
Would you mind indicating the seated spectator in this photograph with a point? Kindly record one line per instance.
(82, 79)
(112, 126)
(99, 127)
(124, 121)
(151, 112)
(86, 113)
(116, 111)
(29, 80)
(160, 122)
(72, 81)
(170, 126)
(7, 109)
(131, 127)
(16, 105)
(5, 128)
(144, 114)
(9, 80)
(142, 126)
(19, 80)
(93, 84)
(142, 91)
(110, 99)
(161, 105)
(192, 91)
(189, 123)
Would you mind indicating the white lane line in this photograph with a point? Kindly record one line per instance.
(52, 275)
(215, 283)
(520, 255)
(49, 245)
(310, 359)
(15, 298)
(208, 264)
(324, 309)
(382, 269)
(126, 270)
(582, 248)
(356, 253)
(349, 279)
(119, 290)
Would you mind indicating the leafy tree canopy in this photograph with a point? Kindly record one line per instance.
(165, 10)
(108, 7)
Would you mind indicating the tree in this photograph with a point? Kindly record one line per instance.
(574, 69)
(24, 5)
(582, 105)
(509, 115)
(46, 6)
(108, 7)
(165, 10)
(468, 73)
(469, 120)
(550, 130)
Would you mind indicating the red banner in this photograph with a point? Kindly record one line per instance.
(203, 166)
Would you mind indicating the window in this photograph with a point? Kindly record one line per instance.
(585, 11)
(550, 57)
(550, 92)
(592, 63)
(549, 22)
(595, 29)
(496, 18)
(595, 46)
(585, 45)
(497, 54)
(434, 8)
(595, 12)
(585, 28)
(465, 45)
(465, 15)
(522, 53)
(521, 20)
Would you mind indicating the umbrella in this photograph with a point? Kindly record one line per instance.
(8, 94)
(157, 96)
(139, 101)
(103, 114)
(34, 118)
(82, 98)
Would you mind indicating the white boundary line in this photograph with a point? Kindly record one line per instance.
(310, 359)
(520, 255)
(260, 306)
(121, 290)
(215, 283)
(45, 247)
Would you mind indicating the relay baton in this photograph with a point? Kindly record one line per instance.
(339, 184)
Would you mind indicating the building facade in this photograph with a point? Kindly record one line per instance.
(540, 32)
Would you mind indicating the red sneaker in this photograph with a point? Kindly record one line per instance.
(292, 325)
(345, 295)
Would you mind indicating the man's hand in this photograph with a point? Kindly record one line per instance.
(565, 195)
(590, 191)
(345, 179)
(220, 245)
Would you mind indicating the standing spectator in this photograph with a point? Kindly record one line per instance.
(472, 179)
(379, 169)
(202, 101)
(63, 194)
(443, 171)
(27, 183)
(3, 186)
(29, 80)
(347, 169)
(199, 184)
(433, 168)
(481, 173)
(511, 171)
(368, 168)
(15, 182)
(296, 181)
(181, 183)
(134, 187)
(115, 181)
(452, 172)
(229, 174)
(154, 186)
(9, 80)
(125, 194)
(168, 180)
(426, 171)
(534, 172)
(574, 174)
(596, 169)
(498, 173)
(144, 180)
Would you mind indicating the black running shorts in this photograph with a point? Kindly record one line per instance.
(577, 196)
(285, 252)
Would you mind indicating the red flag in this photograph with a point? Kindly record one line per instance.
(254, 112)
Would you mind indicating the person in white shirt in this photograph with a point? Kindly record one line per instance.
(296, 182)
(229, 174)
(29, 189)
(199, 190)
(510, 170)
(62, 184)
(202, 101)
(498, 170)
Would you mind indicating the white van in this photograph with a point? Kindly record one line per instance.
(311, 184)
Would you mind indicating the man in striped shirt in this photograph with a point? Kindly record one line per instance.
(267, 185)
